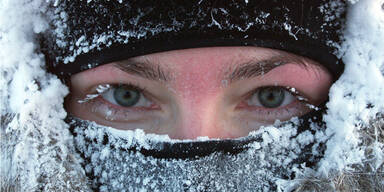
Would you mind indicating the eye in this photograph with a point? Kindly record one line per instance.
(270, 103)
(126, 96)
(270, 97)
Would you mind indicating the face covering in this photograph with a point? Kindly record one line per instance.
(75, 36)
(114, 162)
(130, 160)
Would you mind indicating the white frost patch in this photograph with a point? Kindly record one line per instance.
(288, 27)
(359, 93)
(34, 137)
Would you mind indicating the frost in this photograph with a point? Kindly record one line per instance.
(214, 22)
(103, 88)
(100, 89)
(33, 146)
(289, 29)
(275, 155)
(88, 98)
(361, 85)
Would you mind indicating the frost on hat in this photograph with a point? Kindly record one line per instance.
(90, 33)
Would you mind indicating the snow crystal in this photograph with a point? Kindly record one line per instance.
(288, 27)
(361, 85)
(33, 146)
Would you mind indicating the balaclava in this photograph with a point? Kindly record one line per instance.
(93, 33)
(79, 35)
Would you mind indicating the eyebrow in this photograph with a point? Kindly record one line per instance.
(144, 69)
(257, 67)
(247, 70)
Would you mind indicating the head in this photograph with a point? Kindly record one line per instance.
(197, 95)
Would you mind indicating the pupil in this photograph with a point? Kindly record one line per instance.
(271, 97)
(126, 96)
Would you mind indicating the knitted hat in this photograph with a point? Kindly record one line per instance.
(91, 33)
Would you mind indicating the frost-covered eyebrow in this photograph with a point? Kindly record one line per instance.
(259, 67)
(143, 69)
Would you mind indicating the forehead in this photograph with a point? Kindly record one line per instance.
(210, 64)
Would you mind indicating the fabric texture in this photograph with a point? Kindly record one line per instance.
(92, 33)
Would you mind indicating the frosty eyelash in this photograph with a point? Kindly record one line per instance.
(88, 97)
(103, 88)
(100, 89)
(312, 107)
(96, 102)
(296, 93)
(301, 98)
(291, 90)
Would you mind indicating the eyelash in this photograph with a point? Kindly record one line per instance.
(99, 90)
(102, 88)
(97, 104)
(275, 111)
(111, 111)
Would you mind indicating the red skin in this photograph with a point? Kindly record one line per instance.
(196, 102)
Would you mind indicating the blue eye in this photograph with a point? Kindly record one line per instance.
(271, 97)
(126, 96)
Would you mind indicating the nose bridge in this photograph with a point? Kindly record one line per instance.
(198, 119)
(198, 90)
(201, 110)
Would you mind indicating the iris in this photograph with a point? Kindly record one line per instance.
(126, 96)
(271, 97)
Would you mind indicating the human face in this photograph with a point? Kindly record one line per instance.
(220, 92)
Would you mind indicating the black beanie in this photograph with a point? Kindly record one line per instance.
(90, 33)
